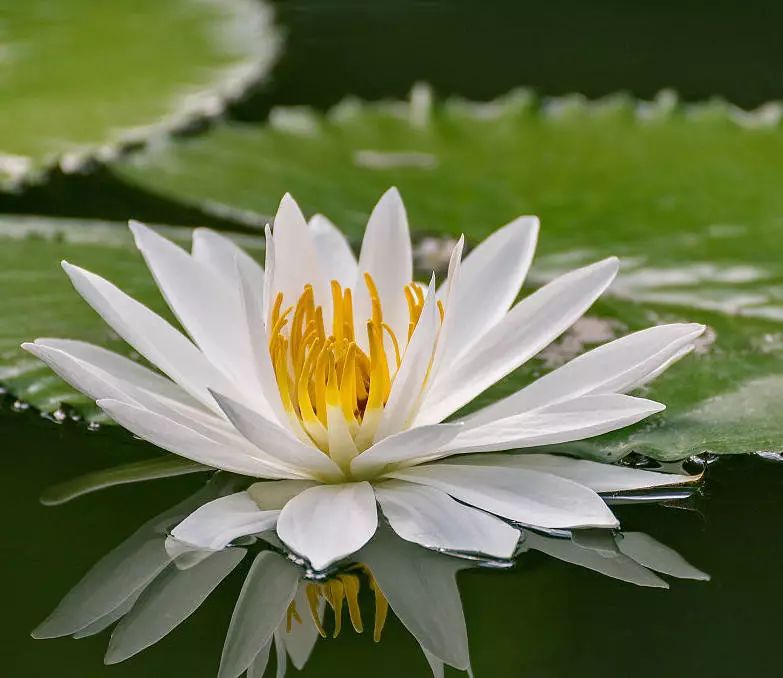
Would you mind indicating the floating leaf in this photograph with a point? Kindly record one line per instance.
(688, 196)
(82, 79)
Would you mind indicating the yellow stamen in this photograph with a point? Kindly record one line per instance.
(319, 364)
(337, 592)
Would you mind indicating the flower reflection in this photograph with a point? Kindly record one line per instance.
(151, 583)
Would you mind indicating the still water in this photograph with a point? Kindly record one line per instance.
(560, 610)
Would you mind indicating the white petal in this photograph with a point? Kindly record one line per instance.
(446, 295)
(121, 368)
(268, 590)
(408, 383)
(206, 305)
(528, 497)
(562, 422)
(277, 442)
(430, 517)
(337, 259)
(219, 253)
(387, 256)
(296, 260)
(218, 452)
(422, 441)
(490, 279)
(167, 602)
(617, 566)
(595, 475)
(151, 336)
(616, 367)
(422, 592)
(217, 523)
(252, 301)
(651, 553)
(99, 384)
(330, 522)
(530, 326)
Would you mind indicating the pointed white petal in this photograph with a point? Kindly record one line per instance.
(98, 384)
(120, 367)
(337, 259)
(446, 296)
(617, 566)
(530, 326)
(330, 522)
(490, 279)
(651, 553)
(229, 454)
(408, 383)
(528, 497)
(206, 305)
(616, 367)
(217, 523)
(562, 422)
(422, 592)
(387, 256)
(167, 602)
(219, 253)
(595, 475)
(429, 517)
(268, 590)
(296, 260)
(422, 441)
(277, 442)
(151, 336)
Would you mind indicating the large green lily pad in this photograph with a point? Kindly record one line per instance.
(688, 197)
(82, 78)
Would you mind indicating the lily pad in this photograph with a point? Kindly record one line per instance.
(77, 82)
(687, 196)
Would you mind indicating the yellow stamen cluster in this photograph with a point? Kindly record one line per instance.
(342, 588)
(332, 389)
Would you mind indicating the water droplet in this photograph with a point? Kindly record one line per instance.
(20, 406)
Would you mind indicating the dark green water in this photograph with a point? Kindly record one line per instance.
(544, 618)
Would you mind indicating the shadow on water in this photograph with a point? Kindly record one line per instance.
(588, 603)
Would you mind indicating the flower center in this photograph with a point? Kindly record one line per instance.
(333, 390)
(342, 588)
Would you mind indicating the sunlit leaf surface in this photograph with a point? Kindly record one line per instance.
(80, 78)
(688, 196)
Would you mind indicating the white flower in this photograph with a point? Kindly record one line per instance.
(329, 378)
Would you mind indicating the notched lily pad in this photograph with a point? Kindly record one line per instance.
(687, 195)
(77, 81)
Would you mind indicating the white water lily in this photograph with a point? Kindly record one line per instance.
(328, 379)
